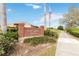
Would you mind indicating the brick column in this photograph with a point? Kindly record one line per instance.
(21, 30)
(42, 30)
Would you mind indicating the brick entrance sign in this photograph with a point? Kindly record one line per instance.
(31, 31)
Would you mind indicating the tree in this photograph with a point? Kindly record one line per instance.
(71, 18)
(60, 27)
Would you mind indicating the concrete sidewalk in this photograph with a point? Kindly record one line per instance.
(67, 45)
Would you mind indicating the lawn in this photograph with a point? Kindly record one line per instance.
(49, 52)
(74, 31)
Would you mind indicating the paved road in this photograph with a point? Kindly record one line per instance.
(67, 45)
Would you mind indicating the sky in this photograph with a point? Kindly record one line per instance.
(34, 13)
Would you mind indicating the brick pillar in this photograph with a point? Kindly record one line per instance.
(42, 30)
(21, 30)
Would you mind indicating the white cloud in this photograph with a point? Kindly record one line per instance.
(53, 17)
(54, 20)
(34, 6)
(9, 9)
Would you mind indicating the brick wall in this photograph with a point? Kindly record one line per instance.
(29, 31)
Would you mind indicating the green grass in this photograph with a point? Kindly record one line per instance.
(49, 52)
(74, 31)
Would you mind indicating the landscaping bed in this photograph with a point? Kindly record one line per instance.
(46, 49)
(38, 46)
(49, 37)
(39, 40)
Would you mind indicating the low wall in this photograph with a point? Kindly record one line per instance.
(29, 31)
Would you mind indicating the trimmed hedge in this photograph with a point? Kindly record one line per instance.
(74, 31)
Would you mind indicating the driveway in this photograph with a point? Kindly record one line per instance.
(67, 45)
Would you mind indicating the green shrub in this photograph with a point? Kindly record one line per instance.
(47, 32)
(12, 29)
(60, 27)
(51, 33)
(39, 40)
(7, 42)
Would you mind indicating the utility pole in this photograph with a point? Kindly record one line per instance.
(45, 15)
(3, 17)
(50, 16)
